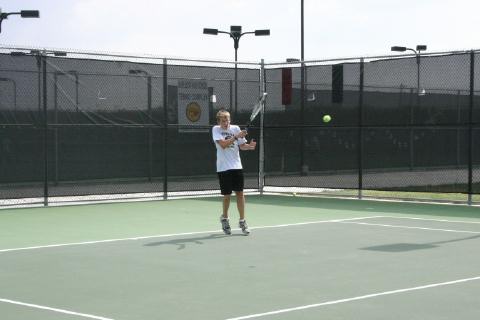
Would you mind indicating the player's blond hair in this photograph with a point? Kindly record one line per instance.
(222, 114)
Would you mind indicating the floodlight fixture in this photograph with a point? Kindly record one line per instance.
(263, 32)
(210, 31)
(399, 49)
(420, 47)
(236, 33)
(30, 14)
(417, 51)
(22, 13)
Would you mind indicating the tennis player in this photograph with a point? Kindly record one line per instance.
(229, 140)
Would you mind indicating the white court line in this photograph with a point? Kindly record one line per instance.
(368, 296)
(36, 306)
(177, 234)
(409, 227)
(315, 222)
(436, 220)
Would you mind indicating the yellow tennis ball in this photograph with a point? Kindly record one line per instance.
(294, 194)
(327, 118)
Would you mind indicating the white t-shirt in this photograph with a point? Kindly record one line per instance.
(228, 158)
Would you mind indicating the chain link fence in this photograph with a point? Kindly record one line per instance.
(82, 126)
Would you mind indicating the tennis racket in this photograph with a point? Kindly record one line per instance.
(256, 109)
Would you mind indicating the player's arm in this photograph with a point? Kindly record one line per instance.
(248, 146)
(227, 142)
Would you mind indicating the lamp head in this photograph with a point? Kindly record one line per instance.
(399, 49)
(236, 31)
(210, 31)
(30, 14)
(264, 32)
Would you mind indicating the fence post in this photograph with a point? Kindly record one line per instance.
(303, 166)
(458, 132)
(360, 129)
(411, 135)
(45, 128)
(231, 97)
(150, 124)
(165, 127)
(470, 128)
(261, 153)
(55, 129)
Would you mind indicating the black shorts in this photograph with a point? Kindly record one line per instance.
(231, 180)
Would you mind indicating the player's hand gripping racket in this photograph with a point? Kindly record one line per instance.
(256, 109)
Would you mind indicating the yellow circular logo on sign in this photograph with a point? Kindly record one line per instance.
(193, 112)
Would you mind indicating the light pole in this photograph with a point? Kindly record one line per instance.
(39, 72)
(417, 52)
(41, 56)
(417, 56)
(149, 110)
(71, 73)
(236, 33)
(149, 87)
(303, 166)
(23, 14)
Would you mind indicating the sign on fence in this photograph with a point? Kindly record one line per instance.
(193, 108)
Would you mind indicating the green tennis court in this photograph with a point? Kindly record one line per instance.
(306, 258)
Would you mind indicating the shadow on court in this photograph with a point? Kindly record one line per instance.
(403, 247)
(183, 242)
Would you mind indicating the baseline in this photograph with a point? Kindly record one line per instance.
(178, 234)
(368, 296)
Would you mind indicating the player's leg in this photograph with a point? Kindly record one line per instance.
(238, 185)
(242, 223)
(226, 190)
(226, 205)
(240, 204)
(224, 217)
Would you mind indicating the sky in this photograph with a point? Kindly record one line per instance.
(174, 28)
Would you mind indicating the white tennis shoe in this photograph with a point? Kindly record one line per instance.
(225, 225)
(243, 225)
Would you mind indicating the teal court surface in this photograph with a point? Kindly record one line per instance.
(306, 258)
